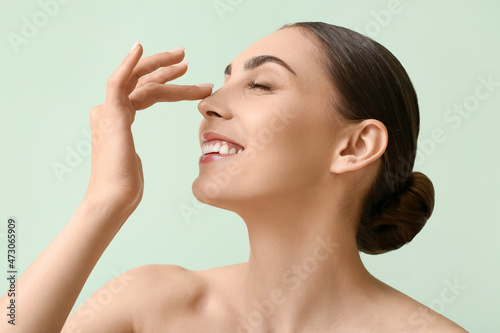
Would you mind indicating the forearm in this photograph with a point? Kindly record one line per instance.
(48, 289)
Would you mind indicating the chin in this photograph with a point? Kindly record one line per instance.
(228, 196)
(207, 191)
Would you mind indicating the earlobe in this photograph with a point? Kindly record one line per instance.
(364, 144)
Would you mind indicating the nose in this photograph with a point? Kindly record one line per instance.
(215, 106)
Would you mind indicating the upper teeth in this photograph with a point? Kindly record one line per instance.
(222, 149)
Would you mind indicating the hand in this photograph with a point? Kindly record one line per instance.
(116, 178)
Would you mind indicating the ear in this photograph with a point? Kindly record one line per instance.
(363, 144)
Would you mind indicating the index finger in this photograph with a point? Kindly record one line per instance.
(150, 94)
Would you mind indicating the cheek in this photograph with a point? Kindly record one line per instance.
(287, 154)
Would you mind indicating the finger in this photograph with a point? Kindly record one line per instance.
(119, 79)
(164, 75)
(150, 64)
(153, 93)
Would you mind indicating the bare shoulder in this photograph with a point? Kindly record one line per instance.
(424, 319)
(178, 281)
(162, 293)
(138, 296)
(164, 278)
(170, 296)
(413, 316)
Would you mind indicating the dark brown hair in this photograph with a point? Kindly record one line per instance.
(370, 83)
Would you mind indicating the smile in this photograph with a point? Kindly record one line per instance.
(218, 149)
(221, 147)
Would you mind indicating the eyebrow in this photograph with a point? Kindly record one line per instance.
(257, 61)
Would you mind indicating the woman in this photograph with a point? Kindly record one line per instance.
(312, 141)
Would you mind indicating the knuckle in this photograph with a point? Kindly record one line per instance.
(95, 112)
(140, 81)
(135, 75)
(149, 85)
(112, 80)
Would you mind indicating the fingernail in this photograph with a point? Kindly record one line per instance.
(185, 62)
(134, 46)
(177, 49)
(205, 85)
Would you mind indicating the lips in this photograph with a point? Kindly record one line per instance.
(212, 136)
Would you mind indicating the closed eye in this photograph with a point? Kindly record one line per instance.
(254, 85)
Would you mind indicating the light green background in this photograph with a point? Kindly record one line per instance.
(49, 86)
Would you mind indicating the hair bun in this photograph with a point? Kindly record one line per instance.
(400, 217)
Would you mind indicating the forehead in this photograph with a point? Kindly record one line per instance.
(292, 46)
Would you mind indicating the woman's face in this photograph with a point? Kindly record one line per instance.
(285, 130)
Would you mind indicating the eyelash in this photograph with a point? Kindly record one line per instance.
(254, 85)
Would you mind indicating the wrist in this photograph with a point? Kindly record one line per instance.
(100, 210)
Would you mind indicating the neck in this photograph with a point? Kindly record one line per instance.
(304, 267)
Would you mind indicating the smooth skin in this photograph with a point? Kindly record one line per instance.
(297, 193)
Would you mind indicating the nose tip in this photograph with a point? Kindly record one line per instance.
(202, 105)
(209, 107)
